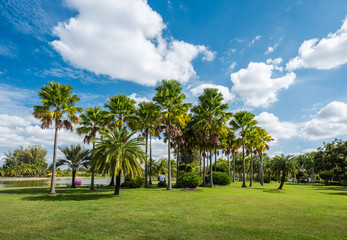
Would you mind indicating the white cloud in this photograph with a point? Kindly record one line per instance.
(275, 127)
(255, 84)
(232, 65)
(254, 40)
(327, 53)
(269, 50)
(309, 150)
(329, 122)
(138, 99)
(124, 39)
(227, 95)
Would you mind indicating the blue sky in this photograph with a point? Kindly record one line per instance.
(285, 61)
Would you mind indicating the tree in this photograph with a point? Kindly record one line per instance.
(75, 157)
(147, 114)
(211, 116)
(58, 107)
(243, 121)
(91, 122)
(170, 98)
(283, 163)
(122, 111)
(30, 155)
(118, 151)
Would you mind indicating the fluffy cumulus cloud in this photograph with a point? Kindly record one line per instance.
(275, 127)
(256, 85)
(329, 122)
(124, 39)
(227, 95)
(138, 99)
(327, 53)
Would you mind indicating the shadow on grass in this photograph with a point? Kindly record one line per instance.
(68, 197)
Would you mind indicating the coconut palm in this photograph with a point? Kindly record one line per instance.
(229, 142)
(121, 111)
(170, 98)
(251, 141)
(283, 163)
(91, 122)
(147, 114)
(58, 107)
(243, 121)
(118, 151)
(75, 157)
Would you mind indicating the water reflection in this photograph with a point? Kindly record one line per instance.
(45, 183)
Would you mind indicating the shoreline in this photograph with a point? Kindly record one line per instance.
(30, 179)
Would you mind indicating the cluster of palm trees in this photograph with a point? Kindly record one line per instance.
(24, 169)
(206, 127)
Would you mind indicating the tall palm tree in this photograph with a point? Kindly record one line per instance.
(251, 141)
(211, 115)
(147, 114)
(229, 141)
(122, 111)
(283, 163)
(75, 157)
(243, 121)
(170, 98)
(118, 151)
(91, 122)
(58, 107)
(261, 144)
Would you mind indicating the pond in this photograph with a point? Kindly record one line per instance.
(46, 182)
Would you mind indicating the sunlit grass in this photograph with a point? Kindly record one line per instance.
(297, 212)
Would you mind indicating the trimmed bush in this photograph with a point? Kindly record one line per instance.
(182, 167)
(136, 182)
(221, 178)
(189, 179)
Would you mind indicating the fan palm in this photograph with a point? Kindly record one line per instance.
(75, 157)
(118, 151)
(58, 107)
(283, 163)
(91, 122)
(261, 145)
(170, 98)
(243, 121)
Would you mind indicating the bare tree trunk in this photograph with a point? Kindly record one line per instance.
(116, 189)
(73, 185)
(92, 177)
(177, 163)
(211, 174)
(150, 159)
(251, 171)
(146, 165)
(52, 189)
(204, 174)
(200, 161)
(282, 180)
(244, 163)
(261, 169)
(234, 163)
(169, 187)
(228, 164)
(112, 180)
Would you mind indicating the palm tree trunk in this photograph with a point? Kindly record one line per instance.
(150, 159)
(116, 190)
(244, 163)
(200, 161)
(282, 180)
(73, 178)
(228, 157)
(146, 182)
(52, 189)
(261, 170)
(234, 167)
(169, 187)
(204, 169)
(211, 174)
(177, 162)
(251, 171)
(112, 180)
(215, 160)
(92, 178)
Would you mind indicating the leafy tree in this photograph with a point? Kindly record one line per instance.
(170, 98)
(75, 157)
(30, 155)
(243, 121)
(283, 163)
(58, 107)
(118, 151)
(92, 120)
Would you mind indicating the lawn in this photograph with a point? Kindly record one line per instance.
(297, 212)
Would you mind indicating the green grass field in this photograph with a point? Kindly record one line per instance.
(297, 212)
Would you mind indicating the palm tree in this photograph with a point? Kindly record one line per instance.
(75, 157)
(118, 151)
(58, 107)
(121, 110)
(147, 114)
(229, 142)
(170, 98)
(243, 121)
(283, 163)
(91, 122)
(251, 141)
(211, 116)
(261, 141)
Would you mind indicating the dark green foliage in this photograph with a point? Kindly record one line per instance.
(221, 178)
(30, 155)
(136, 182)
(183, 167)
(189, 179)
(326, 176)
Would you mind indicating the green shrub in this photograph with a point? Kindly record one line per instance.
(189, 179)
(182, 167)
(133, 182)
(326, 176)
(221, 178)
